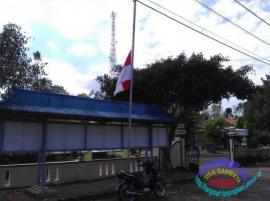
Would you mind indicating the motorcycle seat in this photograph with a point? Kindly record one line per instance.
(128, 174)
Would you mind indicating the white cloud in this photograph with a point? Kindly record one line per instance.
(84, 21)
(52, 45)
(82, 49)
(231, 103)
(67, 75)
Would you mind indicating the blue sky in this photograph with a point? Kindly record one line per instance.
(74, 35)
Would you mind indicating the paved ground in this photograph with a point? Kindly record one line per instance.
(206, 157)
(15, 195)
(84, 190)
(188, 191)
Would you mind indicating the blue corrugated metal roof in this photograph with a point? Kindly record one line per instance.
(49, 103)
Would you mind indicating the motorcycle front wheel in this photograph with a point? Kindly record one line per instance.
(122, 194)
(159, 190)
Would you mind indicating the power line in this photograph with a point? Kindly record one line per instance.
(150, 7)
(228, 20)
(160, 6)
(253, 13)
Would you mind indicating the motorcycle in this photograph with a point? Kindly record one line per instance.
(132, 185)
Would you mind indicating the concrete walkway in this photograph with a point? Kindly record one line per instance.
(91, 190)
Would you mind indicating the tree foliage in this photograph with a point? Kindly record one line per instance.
(17, 69)
(213, 128)
(257, 108)
(241, 122)
(216, 110)
(92, 94)
(183, 86)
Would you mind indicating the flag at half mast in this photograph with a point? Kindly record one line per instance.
(124, 80)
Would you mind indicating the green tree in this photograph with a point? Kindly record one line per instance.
(92, 94)
(216, 110)
(183, 86)
(241, 122)
(17, 69)
(256, 109)
(38, 77)
(213, 129)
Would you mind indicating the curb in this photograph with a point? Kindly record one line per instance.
(89, 196)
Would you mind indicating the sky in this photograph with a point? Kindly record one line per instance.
(74, 36)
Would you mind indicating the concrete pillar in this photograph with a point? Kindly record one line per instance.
(231, 148)
(42, 158)
(161, 158)
(183, 151)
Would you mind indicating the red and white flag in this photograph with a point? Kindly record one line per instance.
(124, 80)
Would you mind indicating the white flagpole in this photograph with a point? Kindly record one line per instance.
(131, 81)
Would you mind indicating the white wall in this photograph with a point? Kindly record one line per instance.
(14, 176)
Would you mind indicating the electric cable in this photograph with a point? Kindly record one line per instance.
(230, 21)
(210, 37)
(253, 13)
(221, 37)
